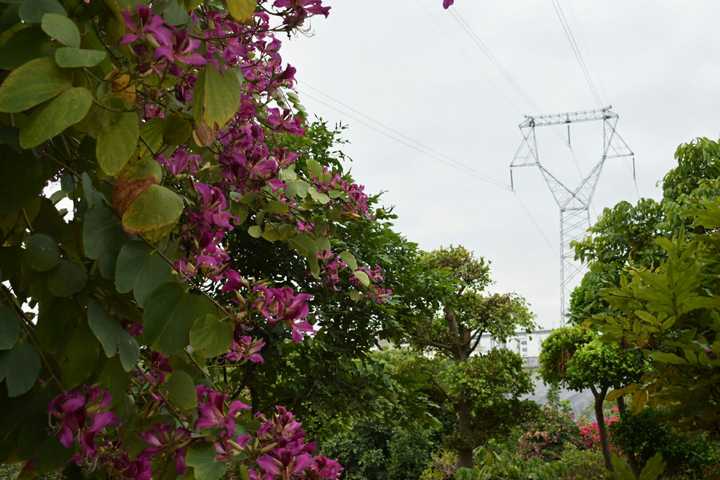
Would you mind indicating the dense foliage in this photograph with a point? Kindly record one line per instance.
(152, 154)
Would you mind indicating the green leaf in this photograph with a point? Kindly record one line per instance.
(314, 168)
(671, 358)
(112, 336)
(175, 14)
(241, 10)
(71, 57)
(169, 314)
(116, 144)
(362, 277)
(31, 84)
(319, 197)
(220, 96)
(50, 456)
(80, 357)
(349, 258)
(21, 368)
(154, 213)
(32, 11)
(653, 468)
(202, 459)
(140, 271)
(42, 252)
(61, 28)
(210, 336)
(180, 390)
(67, 279)
(298, 188)
(622, 469)
(9, 328)
(53, 118)
(103, 237)
(255, 231)
(23, 46)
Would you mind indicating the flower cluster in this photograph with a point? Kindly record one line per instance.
(590, 432)
(283, 305)
(81, 416)
(219, 418)
(333, 265)
(287, 454)
(246, 348)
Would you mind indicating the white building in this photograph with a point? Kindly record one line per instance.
(527, 345)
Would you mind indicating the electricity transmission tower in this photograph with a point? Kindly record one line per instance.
(574, 203)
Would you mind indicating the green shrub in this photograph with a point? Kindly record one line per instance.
(442, 466)
(547, 435)
(643, 435)
(574, 464)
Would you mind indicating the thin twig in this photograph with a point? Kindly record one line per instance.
(29, 328)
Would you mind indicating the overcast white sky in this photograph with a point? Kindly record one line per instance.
(408, 64)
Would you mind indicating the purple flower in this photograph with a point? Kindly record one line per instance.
(447, 3)
(181, 161)
(284, 305)
(286, 454)
(246, 348)
(214, 414)
(181, 49)
(144, 24)
(83, 414)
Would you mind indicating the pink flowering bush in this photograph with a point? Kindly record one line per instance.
(590, 432)
(175, 139)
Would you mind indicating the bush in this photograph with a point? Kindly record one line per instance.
(547, 435)
(574, 464)
(442, 466)
(646, 433)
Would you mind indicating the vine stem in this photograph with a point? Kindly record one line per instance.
(28, 327)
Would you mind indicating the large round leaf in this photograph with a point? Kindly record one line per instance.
(116, 143)
(180, 390)
(210, 336)
(67, 279)
(21, 180)
(218, 96)
(42, 252)
(102, 238)
(61, 28)
(20, 367)
(201, 457)
(50, 120)
(169, 314)
(80, 357)
(141, 271)
(23, 46)
(31, 84)
(113, 337)
(241, 10)
(9, 328)
(70, 57)
(153, 213)
(32, 11)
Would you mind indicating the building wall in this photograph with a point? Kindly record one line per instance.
(527, 345)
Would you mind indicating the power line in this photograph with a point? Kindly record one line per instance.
(482, 46)
(399, 137)
(576, 51)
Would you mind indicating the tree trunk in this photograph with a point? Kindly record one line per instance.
(602, 428)
(463, 414)
(465, 449)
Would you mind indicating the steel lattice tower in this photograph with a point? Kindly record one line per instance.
(574, 203)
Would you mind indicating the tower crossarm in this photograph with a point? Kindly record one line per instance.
(568, 117)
